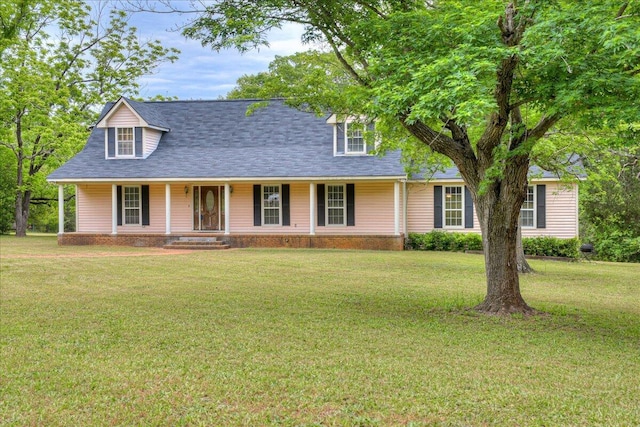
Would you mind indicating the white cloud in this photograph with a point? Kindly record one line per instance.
(201, 73)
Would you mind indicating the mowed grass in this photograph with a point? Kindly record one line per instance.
(124, 336)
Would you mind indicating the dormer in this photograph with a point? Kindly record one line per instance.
(132, 129)
(352, 136)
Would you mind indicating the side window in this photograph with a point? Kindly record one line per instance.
(271, 204)
(453, 206)
(527, 211)
(132, 205)
(336, 205)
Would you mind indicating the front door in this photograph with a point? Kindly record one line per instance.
(208, 204)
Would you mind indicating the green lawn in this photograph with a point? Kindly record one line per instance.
(308, 337)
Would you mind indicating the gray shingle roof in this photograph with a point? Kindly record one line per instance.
(217, 139)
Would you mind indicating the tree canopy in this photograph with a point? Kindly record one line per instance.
(60, 62)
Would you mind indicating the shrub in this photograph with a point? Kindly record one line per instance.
(457, 242)
(618, 247)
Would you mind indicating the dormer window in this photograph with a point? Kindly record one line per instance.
(125, 142)
(355, 138)
(352, 136)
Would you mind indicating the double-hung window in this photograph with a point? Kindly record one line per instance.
(355, 138)
(453, 206)
(527, 211)
(336, 205)
(132, 205)
(271, 212)
(124, 142)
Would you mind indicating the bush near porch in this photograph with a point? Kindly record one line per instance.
(460, 242)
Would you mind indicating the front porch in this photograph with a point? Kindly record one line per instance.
(365, 242)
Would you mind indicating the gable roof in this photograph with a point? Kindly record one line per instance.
(211, 140)
(149, 113)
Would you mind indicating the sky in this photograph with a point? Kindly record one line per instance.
(202, 73)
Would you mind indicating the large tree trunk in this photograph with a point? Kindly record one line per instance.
(498, 211)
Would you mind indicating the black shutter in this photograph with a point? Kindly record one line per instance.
(340, 139)
(320, 199)
(145, 205)
(138, 141)
(111, 142)
(468, 208)
(437, 206)
(351, 205)
(284, 194)
(119, 204)
(257, 205)
(541, 206)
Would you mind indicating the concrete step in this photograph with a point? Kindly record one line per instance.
(198, 247)
(198, 243)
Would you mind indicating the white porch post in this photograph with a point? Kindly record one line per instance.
(227, 204)
(405, 209)
(167, 201)
(396, 208)
(114, 209)
(60, 209)
(312, 209)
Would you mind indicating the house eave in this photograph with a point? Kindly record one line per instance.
(227, 179)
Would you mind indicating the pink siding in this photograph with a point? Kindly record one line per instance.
(151, 137)
(93, 203)
(561, 210)
(373, 205)
(123, 117)
(181, 208)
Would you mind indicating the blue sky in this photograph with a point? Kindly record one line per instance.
(201, 73)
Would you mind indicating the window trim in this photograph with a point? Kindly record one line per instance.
(461, 209)
(362, 129)
(263, 207)
(343, 208)
(534, 208)
(125, 208)
(117, 142)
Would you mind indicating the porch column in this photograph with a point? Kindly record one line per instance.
(312, 208)
(114, 209)
(167, 201)
(227, 204)
(396, 208)
(405, 209)
(60, 209)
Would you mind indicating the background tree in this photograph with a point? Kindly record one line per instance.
(63, 61)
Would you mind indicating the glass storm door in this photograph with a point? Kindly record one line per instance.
(208, 208)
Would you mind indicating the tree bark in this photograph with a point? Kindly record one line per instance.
(523, 265)
(498, 218)
(23, 200)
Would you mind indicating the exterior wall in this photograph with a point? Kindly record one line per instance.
(93, 214)
(156, 213)
(123, 117)
(181, 208)
(150, 140)
(561, 210)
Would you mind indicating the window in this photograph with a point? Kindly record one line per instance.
(131, 205)
(527, 211)
(355, 138)
(271, 205)
(124, 141)
(453, 206)
(336, 205)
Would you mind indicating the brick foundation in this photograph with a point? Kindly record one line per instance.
(384, 243)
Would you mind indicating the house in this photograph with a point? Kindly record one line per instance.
(154, 172)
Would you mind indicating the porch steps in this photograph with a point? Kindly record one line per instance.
(197, 243)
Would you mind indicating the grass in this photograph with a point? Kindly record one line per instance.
(308, 337)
